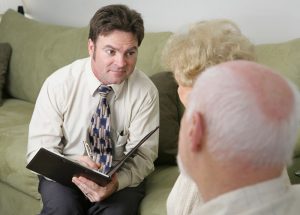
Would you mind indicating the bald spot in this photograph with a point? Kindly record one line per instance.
(271, 92)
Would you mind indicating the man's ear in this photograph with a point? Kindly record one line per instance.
(196, 132)
(91, 47)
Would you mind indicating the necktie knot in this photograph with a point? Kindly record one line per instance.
(104, 90)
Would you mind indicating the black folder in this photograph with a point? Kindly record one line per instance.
(61, 169)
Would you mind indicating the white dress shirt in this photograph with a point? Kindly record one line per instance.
(184, 196)
(273, 197)
(66, 103)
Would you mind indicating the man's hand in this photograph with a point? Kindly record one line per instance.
(87, 161)
(91, 190)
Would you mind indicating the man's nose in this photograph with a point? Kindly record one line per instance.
(120, 60)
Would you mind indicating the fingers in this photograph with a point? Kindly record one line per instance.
(90, 197)
(93, 191)
(87, 161)
(114, 182)
(89, 189)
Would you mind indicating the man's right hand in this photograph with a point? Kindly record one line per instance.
(88, 162)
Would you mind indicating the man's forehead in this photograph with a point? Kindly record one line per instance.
(118, 38)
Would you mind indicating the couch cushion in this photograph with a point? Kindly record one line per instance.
(15, 116)
(14, 202)
(285, 58)
(5, 51)
(170, 116)
(158, 187)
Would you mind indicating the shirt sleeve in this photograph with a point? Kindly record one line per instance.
(45, 128)
(142, 122)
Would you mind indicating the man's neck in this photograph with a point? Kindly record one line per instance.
(222, 179)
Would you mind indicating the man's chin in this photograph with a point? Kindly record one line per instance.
(116, 80)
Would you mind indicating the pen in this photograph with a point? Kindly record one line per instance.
(89, 153)
(88, 149)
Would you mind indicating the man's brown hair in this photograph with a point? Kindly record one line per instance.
(116, 17)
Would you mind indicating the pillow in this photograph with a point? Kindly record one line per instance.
(5, 52)
(170, 115)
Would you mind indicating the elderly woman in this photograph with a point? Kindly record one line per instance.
(206, 44)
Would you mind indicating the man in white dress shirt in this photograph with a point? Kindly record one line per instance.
(67, 102)
(236, 140)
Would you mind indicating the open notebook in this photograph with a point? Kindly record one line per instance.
(61, 169)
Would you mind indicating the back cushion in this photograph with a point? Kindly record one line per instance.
(283, 57)
(37, 50)
(149, 60)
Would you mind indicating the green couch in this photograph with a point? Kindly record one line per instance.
(37, 50)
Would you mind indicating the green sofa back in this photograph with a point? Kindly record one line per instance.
(283, 57)
(39, 49)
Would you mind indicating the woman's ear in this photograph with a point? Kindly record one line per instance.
(196, 131)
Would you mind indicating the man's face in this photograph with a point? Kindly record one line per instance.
(113, 56)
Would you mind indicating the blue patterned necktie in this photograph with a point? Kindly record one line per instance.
(100, 132)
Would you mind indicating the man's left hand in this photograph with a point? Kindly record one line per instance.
(93, 191)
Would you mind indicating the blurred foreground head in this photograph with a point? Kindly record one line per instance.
(240, 116)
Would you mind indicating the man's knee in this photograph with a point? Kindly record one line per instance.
(58, 199)
(62, 207)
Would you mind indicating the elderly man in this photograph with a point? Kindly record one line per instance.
(236, 140)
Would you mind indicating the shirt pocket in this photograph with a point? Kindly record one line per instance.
(120, 145)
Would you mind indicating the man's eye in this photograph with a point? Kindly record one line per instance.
(110, 52)
(131, 53)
